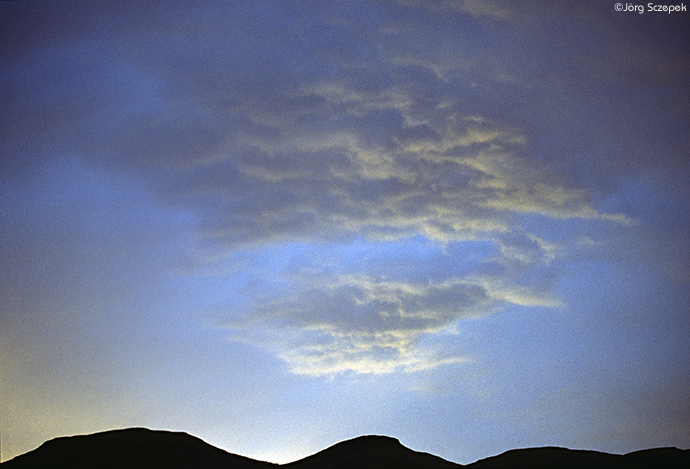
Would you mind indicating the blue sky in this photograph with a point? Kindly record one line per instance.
(278, 225)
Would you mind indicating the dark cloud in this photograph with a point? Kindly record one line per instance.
(277, 123)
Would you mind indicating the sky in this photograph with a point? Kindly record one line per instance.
(276, 225)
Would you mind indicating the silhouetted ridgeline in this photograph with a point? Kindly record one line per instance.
(131, 448)
(141, 448)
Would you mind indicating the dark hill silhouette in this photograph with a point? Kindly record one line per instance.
(371, 452)
(131, 448)
(136, 448)
(568, 458)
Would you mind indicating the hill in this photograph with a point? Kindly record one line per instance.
(371, 452)
(136, 448)
(131, 448)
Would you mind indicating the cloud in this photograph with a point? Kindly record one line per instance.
(352, 124)
(326, 170)
(362, 325)
(382, 307)
(478, 8)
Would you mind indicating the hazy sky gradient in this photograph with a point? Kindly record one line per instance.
(276, 225)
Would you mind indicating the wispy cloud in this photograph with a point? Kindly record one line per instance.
(384, 307)
(342, 125)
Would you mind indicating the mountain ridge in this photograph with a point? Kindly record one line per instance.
(141, 447)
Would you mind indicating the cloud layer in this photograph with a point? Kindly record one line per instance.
(407, 124)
